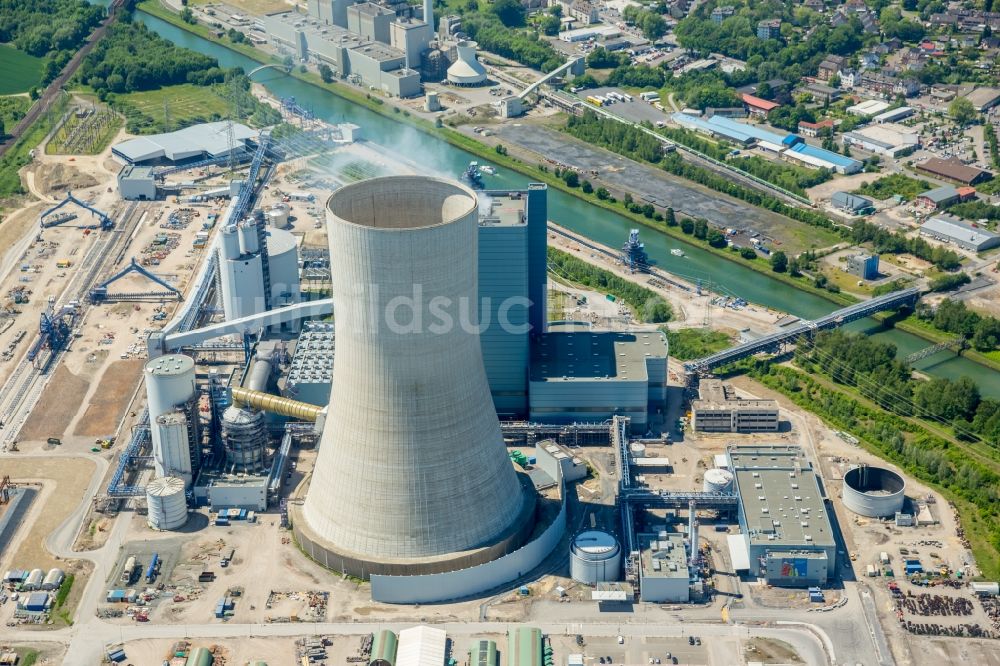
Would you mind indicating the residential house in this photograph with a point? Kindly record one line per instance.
(830, 67)
(720, 14)
(757, 106)
(584, 11)
(813, 130)
(848, 79)
(769, 29)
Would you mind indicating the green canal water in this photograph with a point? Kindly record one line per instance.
(575, 214)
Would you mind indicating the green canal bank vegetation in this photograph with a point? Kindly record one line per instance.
(941, 431)
(160, 87)
(686, 344)
(644, 302)
(19, 154)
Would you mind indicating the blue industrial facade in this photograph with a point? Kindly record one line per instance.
(512, 290)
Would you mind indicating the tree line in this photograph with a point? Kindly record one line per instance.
(523, 46)
(132, 58)
(982, 331)
(892, 242)
(40, 27)
(645, 302)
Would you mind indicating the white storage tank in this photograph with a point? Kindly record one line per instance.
(53, 579)
(170, 382)
(283, 262)
(277, 217)
(172, 452)
(638, 449)
(595, 557)
(34, 579)
(166, 504)
(718, 480)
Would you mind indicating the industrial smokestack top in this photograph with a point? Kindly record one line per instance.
(412, 463)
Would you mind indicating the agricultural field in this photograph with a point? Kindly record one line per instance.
(19, 72)
(86, 132)
(170, 108)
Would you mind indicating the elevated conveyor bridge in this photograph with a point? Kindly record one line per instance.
(772, 343)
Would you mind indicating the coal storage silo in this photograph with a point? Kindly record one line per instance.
(412, 475)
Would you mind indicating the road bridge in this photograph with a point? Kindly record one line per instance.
(773, 342)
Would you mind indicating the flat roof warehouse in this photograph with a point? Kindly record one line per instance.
(205, 140)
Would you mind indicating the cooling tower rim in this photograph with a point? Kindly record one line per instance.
(885, 479)
(387, 183)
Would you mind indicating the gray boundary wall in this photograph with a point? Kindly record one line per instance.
(431, 588)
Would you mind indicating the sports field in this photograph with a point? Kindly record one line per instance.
(18, 70)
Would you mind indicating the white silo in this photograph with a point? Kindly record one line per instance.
(166, 504)
(412, 475)
(283, 264)
(241, 275)
(249, 242)
(170, 386)
(466, 70)
(718, 480)
(595, 557)
(277, 217)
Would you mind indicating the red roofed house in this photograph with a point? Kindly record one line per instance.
(757, 106)
(813, 129)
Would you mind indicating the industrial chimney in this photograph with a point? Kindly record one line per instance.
(429, 14)
(412, 475)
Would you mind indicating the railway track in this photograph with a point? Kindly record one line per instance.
(21, 392)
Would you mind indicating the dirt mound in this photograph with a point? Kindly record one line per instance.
(57, 178)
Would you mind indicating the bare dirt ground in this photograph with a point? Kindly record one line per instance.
(56, 408)
(824, 191)
(108, 404)
(56, 178)
(236, 653)
(49, 654)
(771, 651)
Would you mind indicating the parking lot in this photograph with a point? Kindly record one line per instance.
(636, 110)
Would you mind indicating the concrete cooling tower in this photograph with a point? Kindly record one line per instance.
(412, 475)
(466, 70)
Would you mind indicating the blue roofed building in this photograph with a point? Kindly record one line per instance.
(789, 146)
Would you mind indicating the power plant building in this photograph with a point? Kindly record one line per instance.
(663, 568)
(185, 146)
(512, 289)
(580, 375)
(718, 409)
(311, 369)
(367, 55)
(785, 522)
(258, 268)
(136, 183)
(410, 432)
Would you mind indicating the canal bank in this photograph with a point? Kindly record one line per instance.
(604, 226)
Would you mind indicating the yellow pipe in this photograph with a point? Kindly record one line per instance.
(276, 404)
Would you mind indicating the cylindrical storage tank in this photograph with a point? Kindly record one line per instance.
(276, 217)
(244, 436)
(718, 480)
(170, 382)
(383, 649)
(875, 492)
(53, 579)
(466, 70)
(242, 283)
(229, 247)
(283, 263)
(166, 504)
(172, 446)
(199, 657)
(34, 579)
(412, 464)
(595, 557)
(249, 243)
(638, 449)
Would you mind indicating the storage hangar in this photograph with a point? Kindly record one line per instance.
(191, 144)
(524, 647)
(384, 647)
(581, 375)
(950, 230)
(421, 646)
(663, 568)
(875, 492)
(955, 170)
(887, 139)
(852, 204)
(783, 516)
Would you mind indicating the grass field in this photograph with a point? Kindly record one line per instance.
(147, 111)
(18, 70)
(12, 109)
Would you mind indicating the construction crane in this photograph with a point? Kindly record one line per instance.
(54, 330)
(100, 293)
(49, 218)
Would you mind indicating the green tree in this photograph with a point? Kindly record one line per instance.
(510, 12)
(549, 24)
(571, 178)
(670, 218)
(188, 16)
(586, 187)
(687, 225)
(325, 73)
(779, 262)
(748, 253)
(716, 238)
(962, 111)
